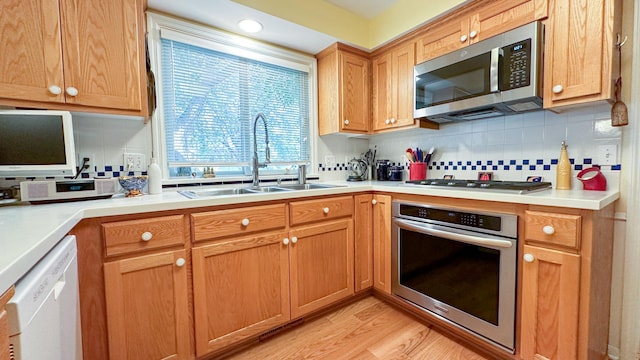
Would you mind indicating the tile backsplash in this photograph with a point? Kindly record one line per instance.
(511, 147)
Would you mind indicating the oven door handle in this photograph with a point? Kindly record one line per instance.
(469, 239)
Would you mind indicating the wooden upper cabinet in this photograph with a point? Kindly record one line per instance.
(73, 55)
(392, 88)
(31, 50)
(343, 90)
(580, 65)
(479, 21)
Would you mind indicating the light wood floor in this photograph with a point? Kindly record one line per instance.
(367, 329)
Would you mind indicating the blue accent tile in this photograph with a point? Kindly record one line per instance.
(464, 167)
(446, 167)
(554, 161)
(490, 162)
(539, 162)
(459, 162)
(144, 173)
(108, 168)
(474, 167)
(547, 167)
(494, 167)
(518, 167)
(121, 168)
(506, 167)
(102, 174)
(319, 165)
(525, 162)
(85, 175)
(532, 167)
(500, 162)
(469, 163)
(450, 162)
(441, 163)
(572, 161)
(512, 162)
(455, 167)
(437, 167)
(484, 167)
(578, 167)
(116, 173)
(616, 167)
(478, 162)
(588, 161)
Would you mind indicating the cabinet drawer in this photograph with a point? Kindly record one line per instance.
(221, 223)
(134, 235)
(322, 209)
(555, 229)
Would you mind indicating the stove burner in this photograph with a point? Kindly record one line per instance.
(522, 187)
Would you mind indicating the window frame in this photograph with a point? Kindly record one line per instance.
(219, 40)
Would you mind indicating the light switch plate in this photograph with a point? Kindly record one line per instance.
(134, 162)
(608, 154)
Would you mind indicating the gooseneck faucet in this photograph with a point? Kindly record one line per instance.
(267, 154)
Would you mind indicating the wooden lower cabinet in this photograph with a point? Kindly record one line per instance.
(241, 289)
(321, 258)
(147, 307)
(4, 325)
(363, 241)
(550, 284)
(381, 223)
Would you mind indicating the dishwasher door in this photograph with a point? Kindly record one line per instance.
(44, 320)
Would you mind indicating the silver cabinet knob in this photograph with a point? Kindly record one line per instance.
(529, 258)
(146, 236)
(557, 89)
(55, 89)
(549, 230)
(71, 91)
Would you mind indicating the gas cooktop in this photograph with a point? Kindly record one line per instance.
(521, 187)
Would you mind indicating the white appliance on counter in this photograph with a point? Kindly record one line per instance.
(44, 313)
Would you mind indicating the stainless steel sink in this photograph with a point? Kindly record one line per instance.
(199, 194)
(309, 186)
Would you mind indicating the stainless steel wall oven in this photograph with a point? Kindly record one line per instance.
(458, 265)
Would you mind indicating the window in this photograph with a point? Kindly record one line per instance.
(212, 85)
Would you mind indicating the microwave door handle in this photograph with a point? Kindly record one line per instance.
(494, 70)
(469, 239)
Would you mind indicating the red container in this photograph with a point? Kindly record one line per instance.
(417, 171)
(592, 179)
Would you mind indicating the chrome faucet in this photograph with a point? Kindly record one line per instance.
(267, 154)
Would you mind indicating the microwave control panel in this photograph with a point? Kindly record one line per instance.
(516, 65)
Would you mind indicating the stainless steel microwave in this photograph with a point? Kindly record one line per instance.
(494, 77)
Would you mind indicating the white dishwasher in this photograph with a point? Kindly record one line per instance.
(44, 315)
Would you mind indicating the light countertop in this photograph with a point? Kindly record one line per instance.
(28, 232)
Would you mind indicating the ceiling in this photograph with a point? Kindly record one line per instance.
(225, 14)
(365, 8)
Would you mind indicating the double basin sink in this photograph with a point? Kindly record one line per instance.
(199, 194)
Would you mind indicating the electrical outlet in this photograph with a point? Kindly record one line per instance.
(607, 154)
(89, 164)
(329, 161)
(134, 162)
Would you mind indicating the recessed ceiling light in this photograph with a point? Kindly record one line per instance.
(250, 26)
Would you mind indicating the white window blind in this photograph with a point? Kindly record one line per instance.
(210, 99)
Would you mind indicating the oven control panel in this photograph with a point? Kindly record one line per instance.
(474, 220)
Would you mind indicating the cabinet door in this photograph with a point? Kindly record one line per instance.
(102, 53)
(147, 307)
(382, 243)
(550, 300)
(578, 52)
(354, 92)
(496, 17)
(382, 92)
(403, 80)
(363, 239)
(31, 49)
(240, 288)
(321, 259)
(442, 38)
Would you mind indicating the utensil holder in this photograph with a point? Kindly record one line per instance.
(417, 171)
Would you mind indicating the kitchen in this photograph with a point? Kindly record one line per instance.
(477, 141)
